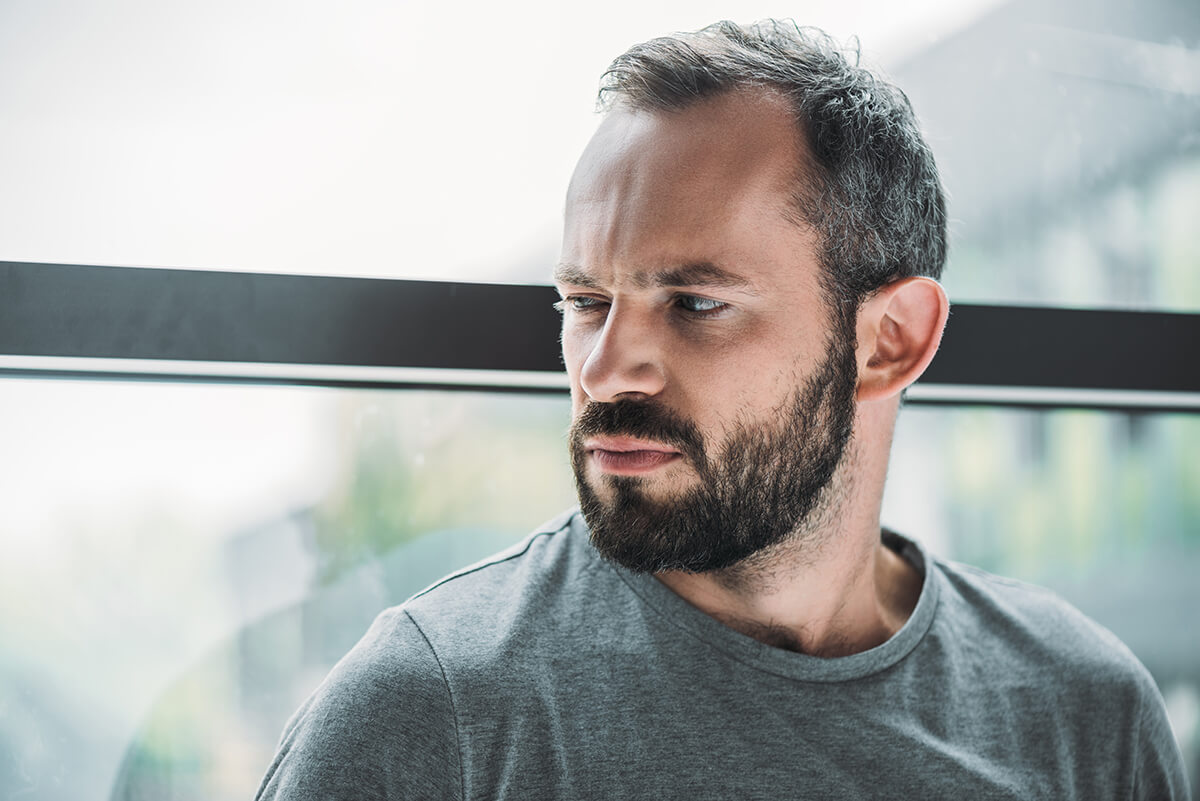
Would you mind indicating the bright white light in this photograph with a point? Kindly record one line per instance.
(219, 457)
(378, 139)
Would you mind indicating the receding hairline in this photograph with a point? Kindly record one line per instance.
(806, 179)
(865, 179)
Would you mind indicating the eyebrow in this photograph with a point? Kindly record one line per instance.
(698, 274)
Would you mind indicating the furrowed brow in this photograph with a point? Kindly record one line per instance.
(574, 276)
(700, 274)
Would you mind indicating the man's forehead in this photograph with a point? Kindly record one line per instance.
(734, 139)
(700, 197)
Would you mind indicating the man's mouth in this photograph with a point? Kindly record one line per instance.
(626, 456)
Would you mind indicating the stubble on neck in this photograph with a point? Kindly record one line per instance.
(807, 548)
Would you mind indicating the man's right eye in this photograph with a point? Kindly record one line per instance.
(580, 303)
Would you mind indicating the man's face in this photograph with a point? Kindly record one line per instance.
(712, 392)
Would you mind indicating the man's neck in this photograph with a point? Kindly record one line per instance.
(833, 588)
(848, 594)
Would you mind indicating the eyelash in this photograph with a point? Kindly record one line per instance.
(570, 302)
(719, 306)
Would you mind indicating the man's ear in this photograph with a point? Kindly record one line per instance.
(899, 329)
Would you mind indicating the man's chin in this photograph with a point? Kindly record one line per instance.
(635, 523)
(657, 488)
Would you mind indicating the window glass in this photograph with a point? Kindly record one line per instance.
(372, 139)
(1073, 168)
(396, 140)
(184, 563)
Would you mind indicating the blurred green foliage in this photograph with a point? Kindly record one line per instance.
(421, 462)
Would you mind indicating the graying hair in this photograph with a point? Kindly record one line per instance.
(870, 188)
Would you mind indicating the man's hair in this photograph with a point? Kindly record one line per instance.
(868, 185)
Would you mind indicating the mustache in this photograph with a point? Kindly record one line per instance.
(642, 420)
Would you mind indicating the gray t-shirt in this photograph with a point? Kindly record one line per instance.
(547, 672)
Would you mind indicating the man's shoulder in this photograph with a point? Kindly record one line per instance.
(466, 613)
(1058, 676)
(498, 608)
(465, 634)
(1030, 629)
(544, 559)
(547, 543)
(353, 734)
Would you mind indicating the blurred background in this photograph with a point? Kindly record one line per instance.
(181, 564)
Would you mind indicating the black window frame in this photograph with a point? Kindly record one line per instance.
(131, 323)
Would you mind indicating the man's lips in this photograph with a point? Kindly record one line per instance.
(626, 456)
(625, 445)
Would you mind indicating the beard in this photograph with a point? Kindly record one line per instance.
(765, 482)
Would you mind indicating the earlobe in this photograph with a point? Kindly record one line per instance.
(899, 330)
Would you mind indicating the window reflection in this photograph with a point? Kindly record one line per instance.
(184, 562)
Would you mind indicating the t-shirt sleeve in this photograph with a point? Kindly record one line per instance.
(381, 726)
(1159, 772)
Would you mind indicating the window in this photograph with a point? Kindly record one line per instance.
(214, 477)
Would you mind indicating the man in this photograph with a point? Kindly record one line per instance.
(750, 255)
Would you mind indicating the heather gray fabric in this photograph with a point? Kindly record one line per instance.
(547, 672)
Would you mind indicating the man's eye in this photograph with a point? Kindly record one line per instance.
(700, 306)
(579, 303)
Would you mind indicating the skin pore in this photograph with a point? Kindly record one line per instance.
(687, 284)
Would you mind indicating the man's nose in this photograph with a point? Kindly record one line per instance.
(626, 359)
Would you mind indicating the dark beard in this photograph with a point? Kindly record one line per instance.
(766, 481)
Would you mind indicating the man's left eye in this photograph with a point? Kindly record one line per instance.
(697, 305)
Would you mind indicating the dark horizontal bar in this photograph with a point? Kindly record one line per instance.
(191, 315)
(1029, 346)
(133, 313)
